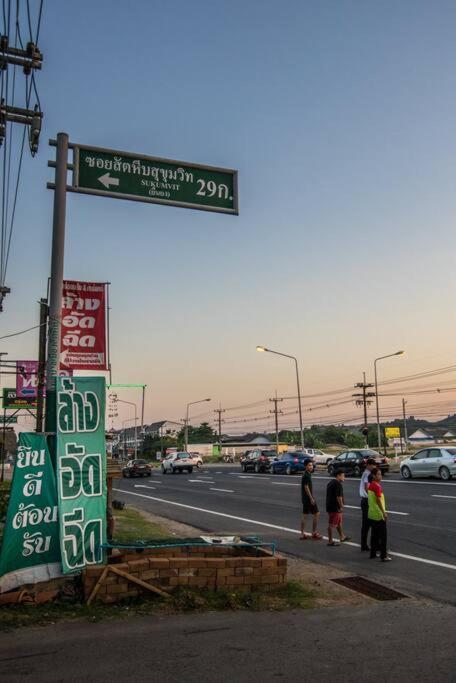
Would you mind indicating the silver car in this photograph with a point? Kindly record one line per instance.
(430, 462)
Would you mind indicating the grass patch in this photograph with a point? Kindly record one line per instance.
(131, 526)
(294, 595)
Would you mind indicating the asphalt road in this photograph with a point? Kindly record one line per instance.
(220, 499)
(402, 641)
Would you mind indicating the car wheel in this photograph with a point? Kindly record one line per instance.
(199, 465)
(257, 468)
(243, 468)
(331, 471)
(190, 470)
(444, 473)
(288, 469)
(406, 472)
(172, 470)
(148, 474)
(327, 462)
(165, 471)
(357, 471)
(124, 475)
(273, 470)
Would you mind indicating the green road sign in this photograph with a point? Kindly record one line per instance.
(10, 401)
(109, 173)
(8, 420)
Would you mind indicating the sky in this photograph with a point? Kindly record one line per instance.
(341, 120)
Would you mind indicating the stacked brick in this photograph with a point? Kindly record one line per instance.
(211, 569)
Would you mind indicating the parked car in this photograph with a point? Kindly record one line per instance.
(319, 457)
(177, 462)
(136, 468)
(430, 462)
(289, 463)
(197, 460)
(258, 460)
(353, 462)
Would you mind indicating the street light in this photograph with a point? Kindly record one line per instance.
(192, 403)
(124, 422)
(130, 403)
(389, 355)
(285, 355)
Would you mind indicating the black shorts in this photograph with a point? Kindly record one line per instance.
(309, 508)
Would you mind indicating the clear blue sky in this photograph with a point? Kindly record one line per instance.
(341, 118)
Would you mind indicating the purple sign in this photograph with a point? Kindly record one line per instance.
(27, 378)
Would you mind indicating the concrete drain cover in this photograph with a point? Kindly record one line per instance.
(370, 588)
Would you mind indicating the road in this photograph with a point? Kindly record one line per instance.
(421, 523)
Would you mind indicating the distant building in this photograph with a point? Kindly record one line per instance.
(437, 435)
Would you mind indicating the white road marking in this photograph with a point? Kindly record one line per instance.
(246, 476)
(200, 481)
(437, 496)
(397, 481)
(284, 483)
(143, 486)
(223, 490)
(422, 560)
(390, 512)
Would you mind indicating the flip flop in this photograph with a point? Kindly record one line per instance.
(333, 545)
(317, 537)
(347, 538)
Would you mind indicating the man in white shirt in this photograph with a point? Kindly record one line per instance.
(363, 486)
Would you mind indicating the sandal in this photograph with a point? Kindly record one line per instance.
(333, 544)
(346, 538)
(303, 538)
(316, 536)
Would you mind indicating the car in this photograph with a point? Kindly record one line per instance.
(354, 462)
(197, 460)
(136, 468)
(258, 460)
(319, 457)
(289, 463)
(439, 461)
(177, 462)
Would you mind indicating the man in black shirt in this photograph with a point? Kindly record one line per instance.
(309, 505)
(334, 508)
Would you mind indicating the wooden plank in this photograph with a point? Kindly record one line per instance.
(98, 584)
(141, 583)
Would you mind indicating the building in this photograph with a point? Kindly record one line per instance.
(164, 428)
(425, 437)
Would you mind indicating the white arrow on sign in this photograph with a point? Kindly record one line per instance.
(106, 180)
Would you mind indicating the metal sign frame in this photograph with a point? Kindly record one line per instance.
(74, 187)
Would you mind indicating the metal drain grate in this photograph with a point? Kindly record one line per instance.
(369, 588)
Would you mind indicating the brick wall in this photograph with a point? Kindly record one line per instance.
(212, 568)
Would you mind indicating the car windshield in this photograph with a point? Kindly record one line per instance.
(139, 462)
(367, 453)
(183, 455)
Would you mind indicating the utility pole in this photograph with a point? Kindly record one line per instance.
(363, 399)
(405, 423)
(41, 364)
(219, 410)
(56, 291)
(276, 412)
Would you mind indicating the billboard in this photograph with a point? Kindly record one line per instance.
(83, 341)
(393, 432)
(27, 378)
(11, 401)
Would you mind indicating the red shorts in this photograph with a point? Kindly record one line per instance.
(334, 518)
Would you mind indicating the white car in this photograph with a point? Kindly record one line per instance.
(177, 462)
(197, 460)
(319, 457)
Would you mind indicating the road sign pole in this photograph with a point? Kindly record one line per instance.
(55, 300)
(41, 364)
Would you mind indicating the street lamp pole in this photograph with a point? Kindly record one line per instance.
(286, 355)
(130, 403)
(192, 403)
(389, 355)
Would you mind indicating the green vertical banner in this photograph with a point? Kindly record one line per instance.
(30, 550)
(81, 470)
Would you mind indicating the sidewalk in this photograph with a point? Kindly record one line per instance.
(405, 640)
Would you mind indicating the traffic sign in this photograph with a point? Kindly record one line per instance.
(12, 402)
(123, 175)
(8, 420)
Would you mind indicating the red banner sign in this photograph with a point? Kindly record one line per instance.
(83, 345)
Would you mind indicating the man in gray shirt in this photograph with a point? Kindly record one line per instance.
(363, 485)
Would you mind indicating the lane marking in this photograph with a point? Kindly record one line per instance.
(397, 481)
(143, 486)
(200, 481)
(224, 490)
(250, 476)
(413, 558)
(437, 496)
(283, 483)
(390, 512)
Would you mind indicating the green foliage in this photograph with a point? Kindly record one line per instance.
(352, 440)
(152, 444)
(202, 434)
